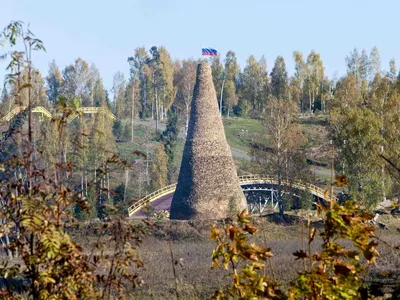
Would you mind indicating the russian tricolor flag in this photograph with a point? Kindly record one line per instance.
(209, 51)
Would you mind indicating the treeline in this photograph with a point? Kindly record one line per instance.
(361, 106)
(157, 82)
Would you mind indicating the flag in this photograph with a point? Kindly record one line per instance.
(209, 51)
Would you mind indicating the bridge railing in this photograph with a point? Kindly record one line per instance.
(12, 113)
(317, 191)
(89, 110)
(151, 197)
(242, 179)
(41, 109)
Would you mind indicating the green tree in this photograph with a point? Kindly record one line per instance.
(315, 75)
(217, 71)
(159, 168)
(253, 84)
(356, 130)
(132, 97)
(54, 83)
(231, 72)
(138, 65)
(185, 79)
(169, 138)
(97, 90)
(284, 152)
(162, 75)
(103, 148)
(49, 146)
(119, 90)
(76, 82)
(118, 129)
(279, 79)
(298, 81)
(167, 88)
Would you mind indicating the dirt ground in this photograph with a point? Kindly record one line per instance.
(192, 251)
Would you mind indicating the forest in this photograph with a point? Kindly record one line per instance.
(64, 168)
(360, 108)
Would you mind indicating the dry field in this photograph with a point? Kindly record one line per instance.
(192, 250)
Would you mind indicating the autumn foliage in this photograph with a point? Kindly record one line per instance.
(334, 272)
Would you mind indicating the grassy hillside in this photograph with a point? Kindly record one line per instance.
(239, 133)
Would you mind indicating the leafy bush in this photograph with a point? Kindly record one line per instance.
(335, 272)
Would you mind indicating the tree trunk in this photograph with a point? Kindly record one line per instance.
(108, 186)
(86, 184)
(132, 109)
(82, 187)
(95, 169)
(187, 118)
(147, 166)
(126, 183)
(156, 110)
(55, 174)
(30, 148)
(280, 202)
(313, 102)
(220, 99)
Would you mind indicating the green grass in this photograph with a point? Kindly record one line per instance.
(143, 140)
(240, 132)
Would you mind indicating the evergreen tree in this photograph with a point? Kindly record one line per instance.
(159, 168)
(49, 146)
(138, 64)
(97, 90)
(169, 136)
(279, 79)
(118, 129)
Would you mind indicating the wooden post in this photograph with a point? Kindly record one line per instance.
(332, 173)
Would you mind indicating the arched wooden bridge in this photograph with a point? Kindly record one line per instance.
(247, 182)
(42, 110)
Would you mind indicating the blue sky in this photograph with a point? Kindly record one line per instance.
(107, 32)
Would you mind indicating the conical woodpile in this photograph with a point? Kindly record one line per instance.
(208, 186)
